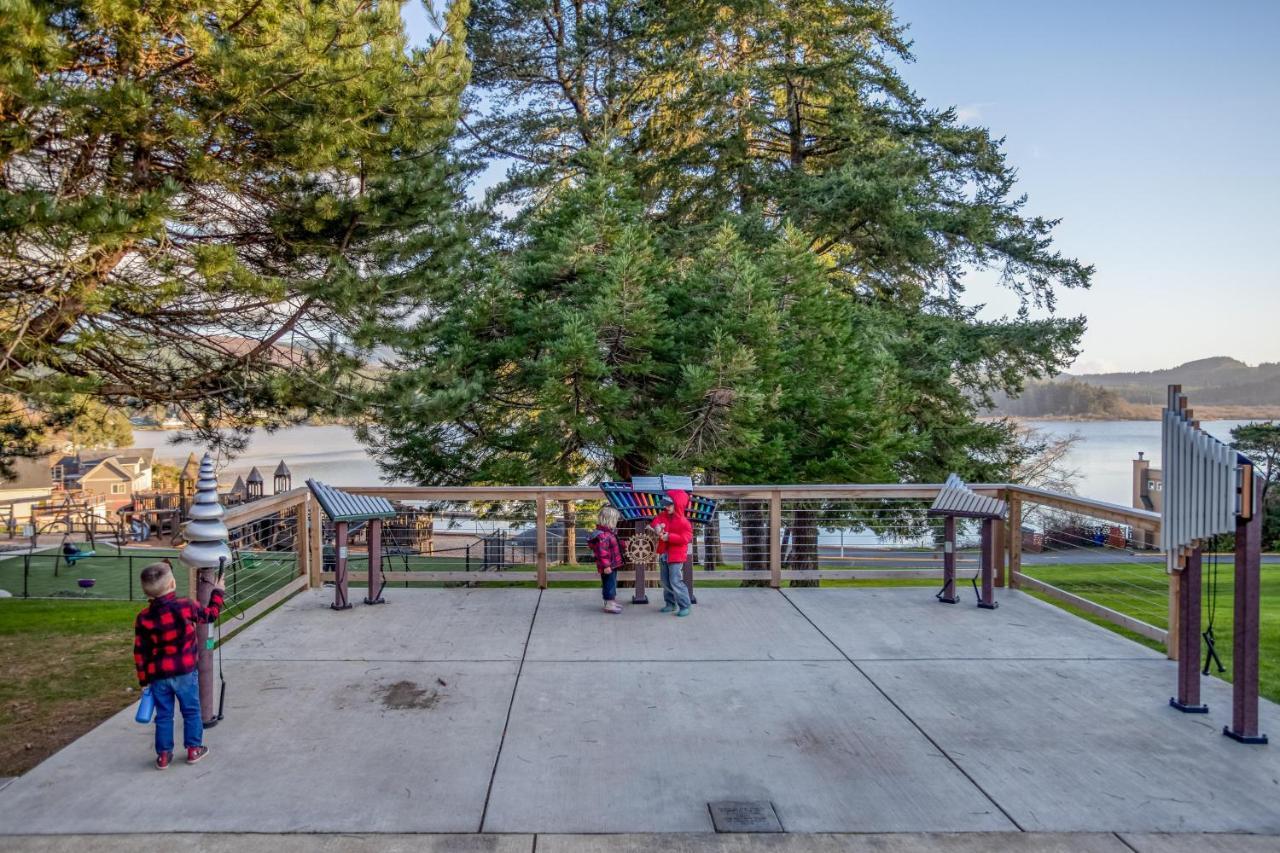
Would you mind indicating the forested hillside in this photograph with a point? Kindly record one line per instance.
(1220, 382)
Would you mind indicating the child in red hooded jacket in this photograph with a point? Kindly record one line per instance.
(674, 535)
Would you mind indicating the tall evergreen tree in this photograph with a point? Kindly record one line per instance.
(795, 112)
(218, 205)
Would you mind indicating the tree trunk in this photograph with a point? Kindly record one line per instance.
(804, 544)
(570, 533)
(711, 544)
(755, 539)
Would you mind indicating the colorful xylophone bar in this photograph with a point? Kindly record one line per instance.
(644, 505)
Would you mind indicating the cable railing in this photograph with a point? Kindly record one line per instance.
(1092, 555)
(1101, 560)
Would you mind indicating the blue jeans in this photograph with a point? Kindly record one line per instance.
(186, 690)
(609, 585)
(673, 589)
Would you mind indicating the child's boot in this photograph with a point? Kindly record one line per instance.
(163, 760)
(196, 753)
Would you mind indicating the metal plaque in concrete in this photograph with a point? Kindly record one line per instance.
(744, 816)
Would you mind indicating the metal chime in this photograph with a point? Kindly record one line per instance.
(1210, 489)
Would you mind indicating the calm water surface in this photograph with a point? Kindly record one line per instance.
(1103, 456)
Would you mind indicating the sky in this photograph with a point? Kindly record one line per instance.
(1152, 129)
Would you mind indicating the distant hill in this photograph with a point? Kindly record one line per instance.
(1232, 388)
(1220, 381)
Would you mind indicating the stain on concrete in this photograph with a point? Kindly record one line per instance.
(407, 696)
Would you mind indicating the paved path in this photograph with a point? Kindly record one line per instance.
(515, 712)
(909, 842)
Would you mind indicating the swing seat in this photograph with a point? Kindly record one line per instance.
(72, 559)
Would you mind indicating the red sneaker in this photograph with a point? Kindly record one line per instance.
(163, 760)
(196, 753)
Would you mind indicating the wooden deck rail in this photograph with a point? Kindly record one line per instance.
(773, 569)
(298, 503)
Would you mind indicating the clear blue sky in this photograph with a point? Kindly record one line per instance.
(1153, 130)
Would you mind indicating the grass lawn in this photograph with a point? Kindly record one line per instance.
(65, 666)
(115, 574)
(1141, 593)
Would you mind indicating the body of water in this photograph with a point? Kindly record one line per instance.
(1104, 455)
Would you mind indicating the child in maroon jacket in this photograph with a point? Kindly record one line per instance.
(166, 654)
(608, 552)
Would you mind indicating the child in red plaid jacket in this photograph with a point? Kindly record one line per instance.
(166, 654)
(608, 553)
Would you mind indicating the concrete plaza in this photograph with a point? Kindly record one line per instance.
(514, 712)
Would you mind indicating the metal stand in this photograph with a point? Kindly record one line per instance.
(687, 572)
(988, 599)
(204, 662)
(1244, 663)
(947, 595)
(340, 599)
(375, 563)
(638, 595)
(1188, 604)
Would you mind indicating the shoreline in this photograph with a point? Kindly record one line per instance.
(1152, 413)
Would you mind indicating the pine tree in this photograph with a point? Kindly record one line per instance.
(795, 114)
(545, 364)
(220, 205)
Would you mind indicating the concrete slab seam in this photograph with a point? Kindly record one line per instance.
(506, 724)
(905, 715)
(1125, 842)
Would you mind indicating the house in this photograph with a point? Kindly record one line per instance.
(30, 483)
(116, 474)
(1148, 494)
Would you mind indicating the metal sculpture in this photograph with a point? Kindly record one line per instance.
(343, 508)
(207, 552)
(1210, 489)
(956, 500)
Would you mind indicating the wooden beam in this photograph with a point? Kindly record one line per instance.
(315, 540)
(1096, 509)
(587, 576)
(1137, 626)
(244, 513)
(541, 532)
(775, 539)
(837, 491)
(301, 539)
(1015, 538)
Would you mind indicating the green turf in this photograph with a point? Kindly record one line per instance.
(115, 575)
(64, 667)
(1141, 591)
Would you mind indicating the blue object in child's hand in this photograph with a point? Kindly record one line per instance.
(146, 707)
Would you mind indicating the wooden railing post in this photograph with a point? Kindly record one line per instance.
(541, 527)
(302, 539)
(570, 512)
(998, 551)
(315, 538)
(1015, 540)
(775, 539)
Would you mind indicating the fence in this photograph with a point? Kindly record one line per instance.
(271, 543)
(1087, 554)
(1097, 557)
